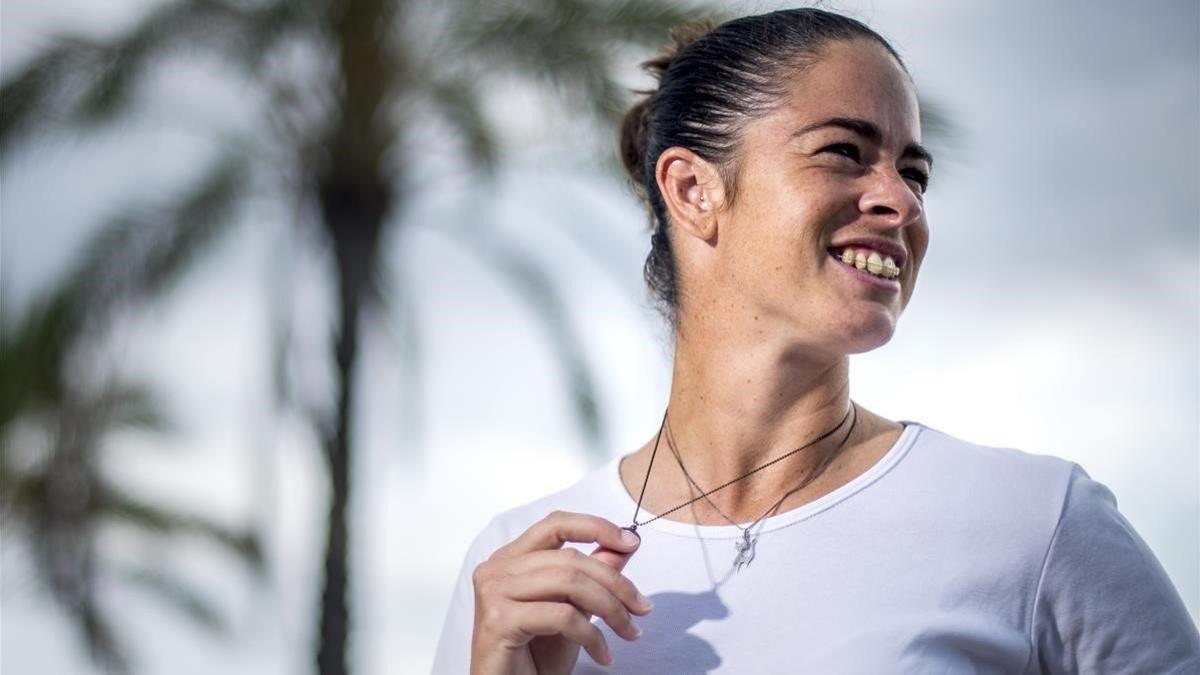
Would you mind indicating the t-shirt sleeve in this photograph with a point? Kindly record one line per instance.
(1104, 602)
(453, 655)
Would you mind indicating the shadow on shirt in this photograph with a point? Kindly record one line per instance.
(665, 645)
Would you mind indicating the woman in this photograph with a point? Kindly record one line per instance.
(772, 524)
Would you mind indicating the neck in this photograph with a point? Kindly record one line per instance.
(738, 402)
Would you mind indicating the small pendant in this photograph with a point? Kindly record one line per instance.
(745, 551)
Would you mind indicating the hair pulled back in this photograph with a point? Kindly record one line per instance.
(711, 81)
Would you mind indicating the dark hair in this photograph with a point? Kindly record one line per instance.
(711, 81)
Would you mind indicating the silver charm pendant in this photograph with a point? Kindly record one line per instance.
(745, 551)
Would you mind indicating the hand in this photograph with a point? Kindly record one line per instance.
(534, 599)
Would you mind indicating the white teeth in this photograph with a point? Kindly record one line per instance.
(889, 268)
(874, 263)
(870, 261)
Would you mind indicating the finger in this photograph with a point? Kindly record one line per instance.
(614, 559)
(563, 526)
(557, 618)
(568, 584)
(613, 581)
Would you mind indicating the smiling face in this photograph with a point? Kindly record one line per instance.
(838, 161)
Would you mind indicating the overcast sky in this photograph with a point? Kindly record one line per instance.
(1058, 312)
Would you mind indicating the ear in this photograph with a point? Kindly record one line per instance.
(693, 191)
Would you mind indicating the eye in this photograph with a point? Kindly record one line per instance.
(919, 176)
(845, 149)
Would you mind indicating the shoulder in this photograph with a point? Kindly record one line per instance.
(991, 472)
(1004, 501)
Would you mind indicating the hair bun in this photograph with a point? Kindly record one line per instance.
(681, 36)
(635, 125)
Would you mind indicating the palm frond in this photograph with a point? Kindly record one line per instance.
(585, 22)
(137, 255)
(90, 82)
(99, 636)
(22, 495)
(539, 36)
(27, 97)
(119, 506)
(634, 22)
(587, 83)
(33, 348)
(25, 489)
(280, 334)
(596, 239)
(126, 405)
(143, 250)
(569, 44)
(177, 593)
(456, 100)
(59, 504)
(536, 288)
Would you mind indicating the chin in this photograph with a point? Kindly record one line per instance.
(865, 336)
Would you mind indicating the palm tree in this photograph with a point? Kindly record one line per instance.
(348, 83)
(60, 403)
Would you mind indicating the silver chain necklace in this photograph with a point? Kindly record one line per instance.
(745, 545)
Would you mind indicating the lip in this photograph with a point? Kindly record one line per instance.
(884, 246)
(892, 285)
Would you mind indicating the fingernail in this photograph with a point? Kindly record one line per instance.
(630, 538)
(644, 601)
(637, 630)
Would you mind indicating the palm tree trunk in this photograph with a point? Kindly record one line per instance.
(335, 624)
(353, 212)
(354, 198)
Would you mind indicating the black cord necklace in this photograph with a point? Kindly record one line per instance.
(745, 545)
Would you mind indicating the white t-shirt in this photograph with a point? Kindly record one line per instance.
(944, 557)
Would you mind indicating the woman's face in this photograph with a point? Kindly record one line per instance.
(838, 162)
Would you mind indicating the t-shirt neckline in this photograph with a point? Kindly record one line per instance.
(612, 478)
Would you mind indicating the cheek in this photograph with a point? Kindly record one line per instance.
(809, 215)
(782, 221)
(918, 243)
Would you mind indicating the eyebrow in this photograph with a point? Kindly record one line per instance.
(870, 131)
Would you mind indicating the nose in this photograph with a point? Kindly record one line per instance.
(890, 200)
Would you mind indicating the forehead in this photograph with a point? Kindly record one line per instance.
(856, 78)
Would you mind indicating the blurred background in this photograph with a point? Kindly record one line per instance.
(296, 295)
